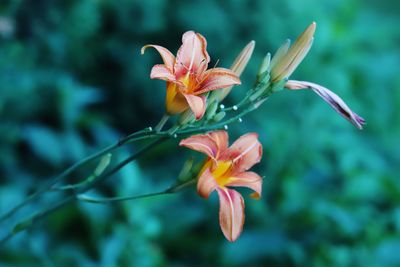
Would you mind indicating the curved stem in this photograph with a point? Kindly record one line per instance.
(29, 221)
(118, 199)
(144, 134)
(221, 124)
(171, 190)
(65, 173)
(140, 135)
(122, 164)
(163, 136)
(55, 180)
(238, 105)
(181, 186)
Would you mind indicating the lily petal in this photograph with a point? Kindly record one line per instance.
(245, 152)
(192, 56)
(206, 183)
(167, 57)
(331, 98)
(217, 78)
(161, 72)
(175, 102)
(221, 139)
(197, 104)
(202, 143)
(250, 180)
(231, 213)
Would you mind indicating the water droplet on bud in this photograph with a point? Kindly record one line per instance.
(240, 120)
(226, 127)
(175, 135)
(235, 107)
(222, 106)
(150, 129)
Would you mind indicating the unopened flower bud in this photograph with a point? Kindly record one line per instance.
(186, 117)
(280, 53)
(283, 64)
(211, 109)
(237, 67)
(185, 173)
(265, 66)
(219, 116)
(103, 164)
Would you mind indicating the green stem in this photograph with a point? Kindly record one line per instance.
(243, 102)
(171, 190)
(68, 171)
(118, 199)
(111, 172)
(162, 136)
(221, 124)
(181, 186)
(133, 137)
(28, 222)
(162, 122)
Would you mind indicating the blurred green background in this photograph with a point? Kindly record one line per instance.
(72, 81)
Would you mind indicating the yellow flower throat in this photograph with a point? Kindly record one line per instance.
(222, 174)
(189, 81)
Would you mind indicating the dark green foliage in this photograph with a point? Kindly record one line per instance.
(72, 81)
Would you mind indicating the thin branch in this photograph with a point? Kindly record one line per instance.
(58, 178)
(118, 199)
(29, 221)
(171, 190)
(144, 134)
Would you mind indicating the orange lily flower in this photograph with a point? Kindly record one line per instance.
(228, 167)
(187, 75)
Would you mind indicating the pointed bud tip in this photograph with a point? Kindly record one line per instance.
(311, 29)
(249, 48)
(143, 49)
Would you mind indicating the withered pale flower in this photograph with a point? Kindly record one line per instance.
(287, 58)
(187, 76)
(228, 167)
(331, 98)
